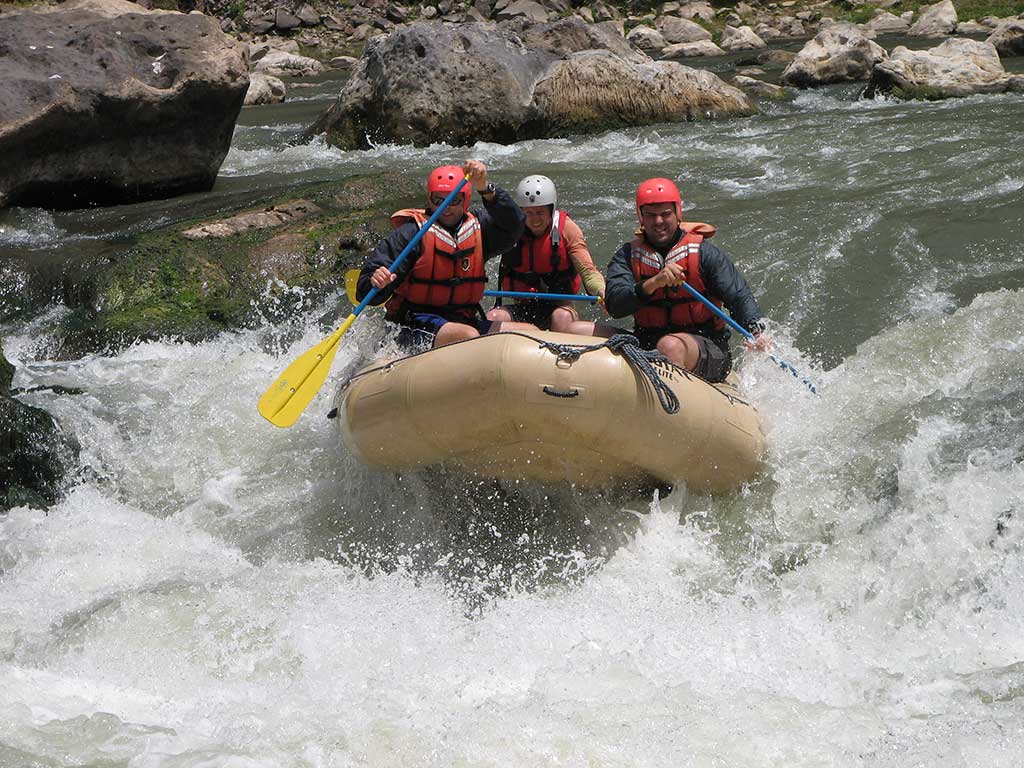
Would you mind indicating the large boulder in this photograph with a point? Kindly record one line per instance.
(409, 87)
(955, 68)
(36, 456)
(687, 50)
(594, 91)
(1008, 37)
(936, 20)
(648, 40)
(104, 102)
(885, 23)
(740, 39)
(676, 30)
(572, 35)
(838, 54)
(264, 89)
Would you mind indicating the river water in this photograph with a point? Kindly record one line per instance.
(219, 593)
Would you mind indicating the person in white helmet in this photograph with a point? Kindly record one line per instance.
(550, 257)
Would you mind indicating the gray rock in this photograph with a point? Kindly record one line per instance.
(648, 40)
(740, 39)
(528, 9)
(936, 20)
(691, 50)
(1008, 37)
(957, 67)
(282, 64)
(285, 21)
(117, 104)
(835, 55)
(571, 35)
(971, 27)
(409, 88)
(264, 89)
(676, 30)
(761, 89)
(885, 23)
(697, 11)
(36, 456)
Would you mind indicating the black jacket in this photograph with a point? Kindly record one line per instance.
(722, 281)
(501, 225)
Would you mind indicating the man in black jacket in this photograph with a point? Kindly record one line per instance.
(436, 291)
(645, 279)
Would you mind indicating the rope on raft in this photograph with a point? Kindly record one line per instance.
(626, 345)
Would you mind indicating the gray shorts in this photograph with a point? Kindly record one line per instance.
(715, 359)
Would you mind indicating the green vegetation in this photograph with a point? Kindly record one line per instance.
(166, 285)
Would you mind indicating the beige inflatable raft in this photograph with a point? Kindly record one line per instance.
(528, 405)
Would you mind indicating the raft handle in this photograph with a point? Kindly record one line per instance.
(555, 393)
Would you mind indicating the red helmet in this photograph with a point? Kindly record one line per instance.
(658, 191)
(445, 179)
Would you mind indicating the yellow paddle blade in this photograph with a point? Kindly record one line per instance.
(351, 281)
(294, 389)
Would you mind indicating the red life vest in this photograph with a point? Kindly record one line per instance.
(449, 273)
(674, 309)
(543, 262)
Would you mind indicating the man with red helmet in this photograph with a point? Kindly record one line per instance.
(645, 280)
(436, 291)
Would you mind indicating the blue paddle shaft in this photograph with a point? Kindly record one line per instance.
(543, 296)
(747, 334)
(412, 243)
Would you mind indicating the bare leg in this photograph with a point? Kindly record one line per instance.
(681, 348)
(499, 315)
(503, 326)
(452, 332)
(566, 320)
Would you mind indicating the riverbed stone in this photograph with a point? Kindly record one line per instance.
(165, 284)
(649, 41)
(409, 88)
(936, 20)
(885, 23)
(740, 39)
(277, 63)
(572, 35)
(838, 54)
(676, 30)
(1008, 37)
(264, 89)
(958, 67)
(36, 455)
(690, 50)
(105, 103)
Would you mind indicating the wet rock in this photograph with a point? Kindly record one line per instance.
(409, 88)
(689, 50)
(885, 23)
(527, 9)
(241, 271)
(243, 222)
(343, 63)
(936, 20)
(957, 67)
(760, 89)
(1008, 37)
(649, 41)
(740, 39)
(676, 30)
(692, 11)
(264, 89)
(835, 55)
(105, 103)
(36, 456)
(568, 36)
(972, 27)
(281, 64)
(594, 91)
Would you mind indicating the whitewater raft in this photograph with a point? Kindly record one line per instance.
(552, 408)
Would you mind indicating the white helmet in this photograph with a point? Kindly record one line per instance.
(536, 190)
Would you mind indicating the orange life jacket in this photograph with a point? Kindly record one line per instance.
(675, 308)
(449, 273)
(541, 262)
